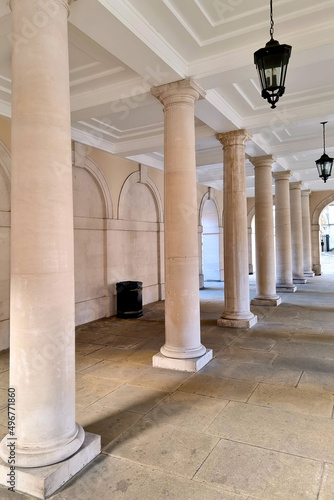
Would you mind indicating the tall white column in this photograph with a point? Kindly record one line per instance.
(42, 355)
(200, 257)
(284, 280)
(306, 226)
(183, 349)
(250, 251)
(297, 233)
(237, 312)
(264, 234)
(221, 253)
(315, 238)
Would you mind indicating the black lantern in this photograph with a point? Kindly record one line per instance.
(271, 63)
(325, 163)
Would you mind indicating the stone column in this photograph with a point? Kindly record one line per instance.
(284, 281)
(315, 237)
(237, 312)
(297, 233)
(306, 227)
(250, 252)
(264, 234)
(183, 349)
(200, 257)
(42, 340)
(221, 253)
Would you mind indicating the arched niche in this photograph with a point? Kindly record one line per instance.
(210, 241)
(140, 201)
(91, 194)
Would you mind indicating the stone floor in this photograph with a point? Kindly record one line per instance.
(255, 423)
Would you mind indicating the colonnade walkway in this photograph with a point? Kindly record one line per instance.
(255, 423)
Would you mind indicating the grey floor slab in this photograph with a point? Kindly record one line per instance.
(262, 473)
(312, 401)
(161, 379)
(303, 435)
(164, 446)
(107, 423)
(189, 411)
(246, 355)
(114, 479)
(90, 388)
(133, 398)
(230, 389)
(115, 370)
(327, 486)
(251, 372)
(317, 380)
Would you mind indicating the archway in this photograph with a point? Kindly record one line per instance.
(210, 241)
(326, 223)
(317, 257)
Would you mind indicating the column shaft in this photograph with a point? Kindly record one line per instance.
(306, 225)
(264, 234)
(42, 357)
(182, 316)
(284, 282)
(297, 233)
(315, 237)
(237, 312)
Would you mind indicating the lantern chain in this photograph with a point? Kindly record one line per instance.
(271, 21)
(323, 133)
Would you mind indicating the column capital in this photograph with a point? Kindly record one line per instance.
(181, 91)
(262, 161)
(296, 185)
(282, 176)
(51, 10)
(234, 138)
(306, 192)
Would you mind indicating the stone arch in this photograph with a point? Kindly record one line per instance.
(315, 233)
(89, 165)
(209, 196)
(319, 208)
(132, 180)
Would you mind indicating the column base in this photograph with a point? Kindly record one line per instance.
(317, 269)
(42, 457)
(309, 274)
(262, 301)
(301, 281)
(185, 365)
(286, 288)
(237, 323)
(41, 482)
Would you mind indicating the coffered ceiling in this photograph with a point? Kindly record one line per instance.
(119, 49)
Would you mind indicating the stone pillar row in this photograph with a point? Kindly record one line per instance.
(284, 280)
(297, 233)
(306, 227)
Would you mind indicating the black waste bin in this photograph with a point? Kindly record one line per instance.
(129, 299)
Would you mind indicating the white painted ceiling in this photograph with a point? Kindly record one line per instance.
(119, 49)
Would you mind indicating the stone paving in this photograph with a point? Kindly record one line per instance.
(255, 423)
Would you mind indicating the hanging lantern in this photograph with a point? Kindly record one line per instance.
(325, 163)
(271, 63)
